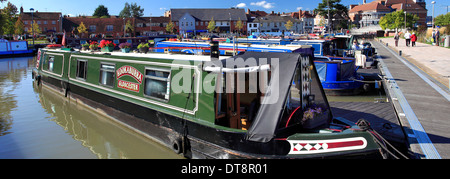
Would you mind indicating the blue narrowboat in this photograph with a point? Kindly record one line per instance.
(14, 48)
(224, 48)
(339, 75)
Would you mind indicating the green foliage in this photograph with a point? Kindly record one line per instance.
(334, 6)
(129, 27)
(170, 27)
(101, 11)
(132, 10)
(289, 25)
(8, 18)
(211, 25)
(19, 27)
(395, 20)
(143, 45)
(442, 20)
(35, 28)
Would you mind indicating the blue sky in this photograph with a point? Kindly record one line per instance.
(157, 7)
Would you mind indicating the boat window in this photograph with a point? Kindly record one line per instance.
(81, 69)
(51, 61)
(107, 72)
(157, 83)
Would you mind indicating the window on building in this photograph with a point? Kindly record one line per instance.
(81, 69)
(201, 23)
(157, 83)
(45, 22)
(92, 28)
(38, 22)
(53, 22)
(25, 22)
(107, 72)
(109, 28)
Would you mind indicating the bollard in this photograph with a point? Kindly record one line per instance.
(387, 45)
(400, 52)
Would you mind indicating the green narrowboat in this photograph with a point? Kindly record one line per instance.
(253, 105)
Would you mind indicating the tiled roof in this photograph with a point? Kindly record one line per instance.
(41, 15)
(374, 5)
(207, 14)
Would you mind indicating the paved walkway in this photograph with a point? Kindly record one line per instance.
(434, 60)
(430, 104)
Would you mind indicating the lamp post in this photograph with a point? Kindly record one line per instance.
(32, 24)
(124, 27)
(432, 17)
(151, 23)
(328, 22)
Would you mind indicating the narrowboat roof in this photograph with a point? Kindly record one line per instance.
(144, 56)
(291, 47)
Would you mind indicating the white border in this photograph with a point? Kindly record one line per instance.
(143, 99)
(292, 152)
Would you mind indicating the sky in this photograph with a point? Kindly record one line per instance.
(158, 7)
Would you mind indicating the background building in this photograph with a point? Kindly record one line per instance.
(49, 22)
(196, 20)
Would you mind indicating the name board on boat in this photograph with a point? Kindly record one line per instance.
(130, 71)
(128, 85)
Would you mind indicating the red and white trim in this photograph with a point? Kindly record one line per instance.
(299, 147)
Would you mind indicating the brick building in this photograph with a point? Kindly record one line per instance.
(370, 13)
(197, 20)
(49, 22)
(114, 26)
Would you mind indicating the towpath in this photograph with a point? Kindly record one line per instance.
(424, 97)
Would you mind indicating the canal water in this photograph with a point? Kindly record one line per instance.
(36, 123)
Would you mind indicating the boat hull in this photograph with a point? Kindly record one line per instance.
(201, 141)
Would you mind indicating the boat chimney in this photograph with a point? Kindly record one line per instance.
(214, 50)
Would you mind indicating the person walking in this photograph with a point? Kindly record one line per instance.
(437, 36)
(396, 37)
(413, 39)
(407, 38)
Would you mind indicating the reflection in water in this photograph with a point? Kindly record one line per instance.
(103, 137)
(11, 71)
(36, 122)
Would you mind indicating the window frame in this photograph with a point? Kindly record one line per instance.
(113, 71)
(77, 76)
(168, 80)
(51, 59)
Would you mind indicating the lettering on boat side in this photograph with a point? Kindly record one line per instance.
(299, 147)
(130, 71)
(128, 85)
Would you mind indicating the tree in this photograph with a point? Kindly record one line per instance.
(82, 29)
(442, 20)
(101, 11)
(136, 10)
(170, 28)
(334, 6)
(126, 11)
(396, 20)
(239, 25)
(132, 10)
(211, 25)
(289, 24)
(129, 27)
(35, 28)
(19, 27)
(9, 18)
